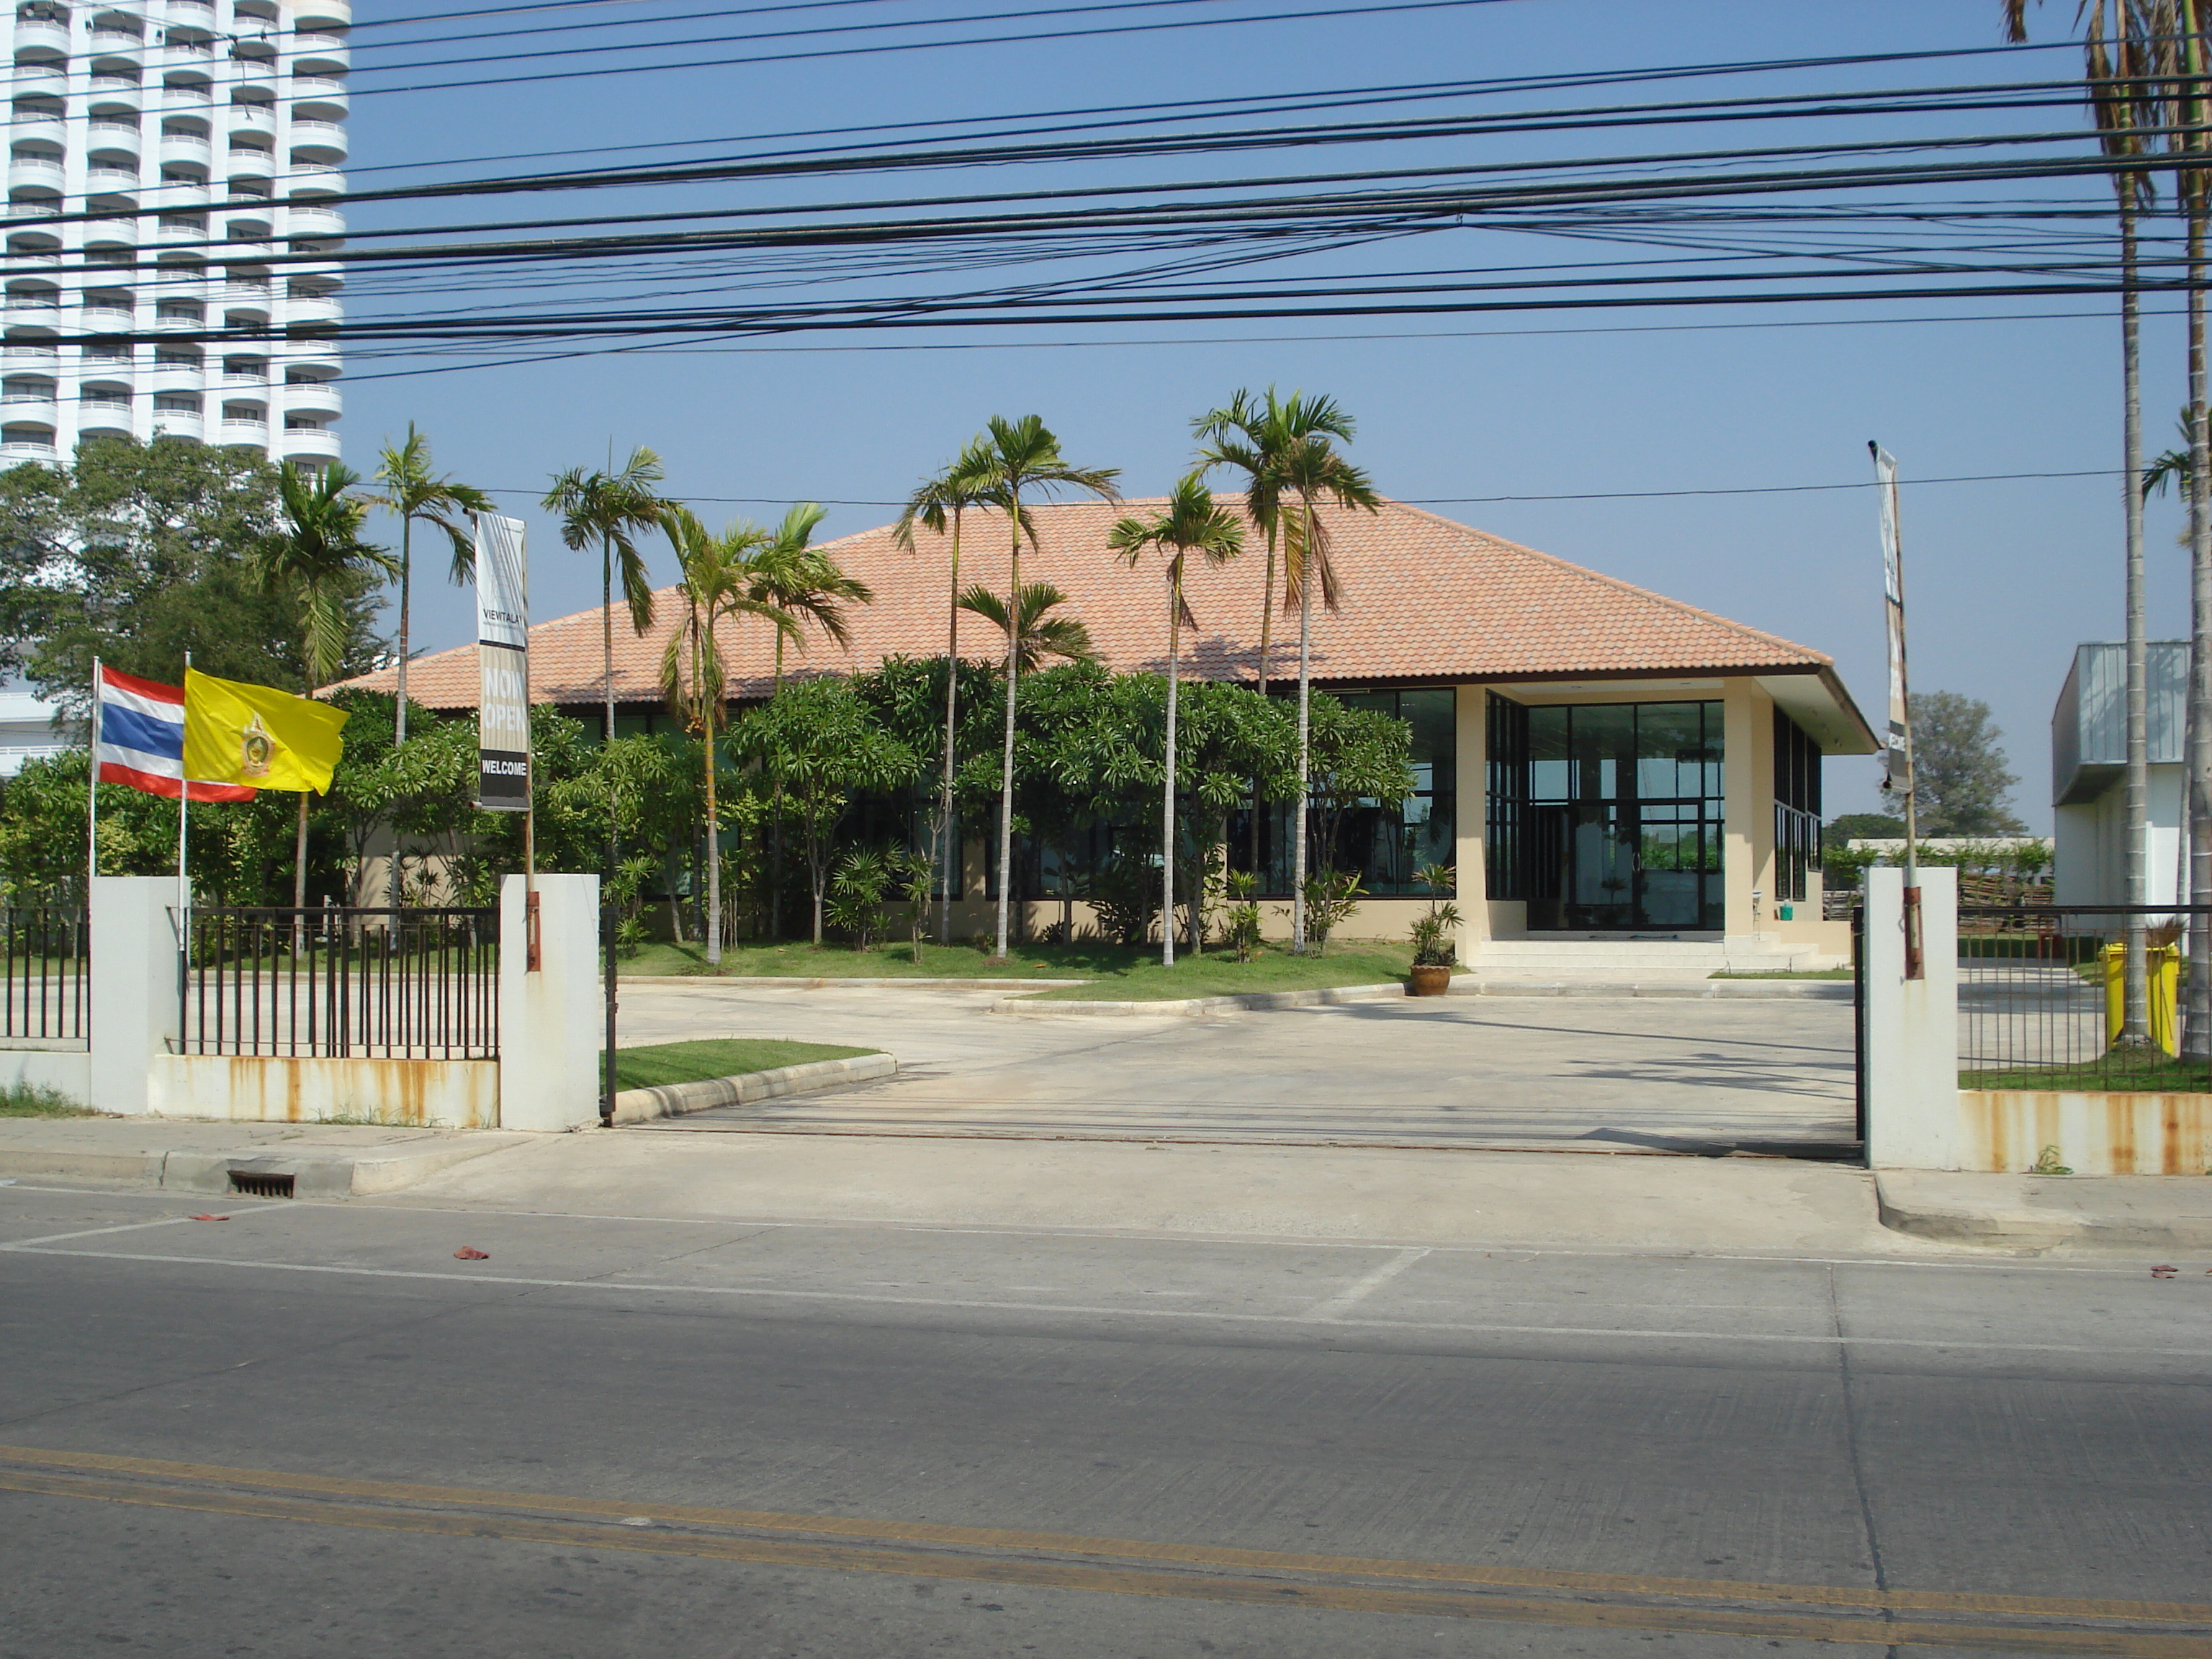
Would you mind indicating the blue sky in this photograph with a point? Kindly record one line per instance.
(2005, 577)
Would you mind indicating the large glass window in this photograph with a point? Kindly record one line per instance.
(1384, 841)
(1608, 816)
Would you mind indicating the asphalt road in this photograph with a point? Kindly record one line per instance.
(312, 1430)
(1460, 1071)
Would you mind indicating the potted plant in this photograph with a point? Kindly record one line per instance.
(1435, 951)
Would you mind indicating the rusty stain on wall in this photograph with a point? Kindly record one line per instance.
(2005, 1131)
(423, 1094)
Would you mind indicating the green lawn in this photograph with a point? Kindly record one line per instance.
(1216, 975)
(2155, 1073)
(24, 1101)
(693, 1062)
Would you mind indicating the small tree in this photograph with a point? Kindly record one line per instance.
(1960, 785)
(816, 741)
(1433, 946)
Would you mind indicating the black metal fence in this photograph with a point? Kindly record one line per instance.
(46, 948)
(410, 984)
(2040, 995)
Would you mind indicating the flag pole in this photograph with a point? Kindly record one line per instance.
(92, 793)
(183, 877)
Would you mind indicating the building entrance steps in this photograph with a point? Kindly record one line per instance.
(1632, 957)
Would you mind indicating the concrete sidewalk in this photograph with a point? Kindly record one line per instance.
(1625, 1200)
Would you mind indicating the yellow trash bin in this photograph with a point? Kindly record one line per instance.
(2163, 970)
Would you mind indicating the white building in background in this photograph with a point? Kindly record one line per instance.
(2088, 761)
(26, 729)
(162, 153)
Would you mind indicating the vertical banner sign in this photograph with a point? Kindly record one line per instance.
(503, 664)
(1898, 741)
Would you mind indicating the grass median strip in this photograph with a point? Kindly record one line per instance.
(664, 1063)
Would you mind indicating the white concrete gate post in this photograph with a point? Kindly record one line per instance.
(1912, 1024)
(133, 1008)
(549, 1021)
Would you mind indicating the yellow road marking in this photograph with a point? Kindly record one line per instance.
(1049, 1575)
(901, 1532)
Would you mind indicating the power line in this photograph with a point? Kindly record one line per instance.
(1469, 500)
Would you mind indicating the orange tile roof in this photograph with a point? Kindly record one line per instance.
(1424, 600)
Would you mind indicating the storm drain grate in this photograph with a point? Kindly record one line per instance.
(261, 1186)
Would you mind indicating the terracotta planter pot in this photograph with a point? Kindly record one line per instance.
(1432, 981)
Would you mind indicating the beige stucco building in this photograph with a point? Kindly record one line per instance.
(1604, 765)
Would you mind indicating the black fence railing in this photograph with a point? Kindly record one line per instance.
(46, 948)
(410, 984)
(2041, 1000)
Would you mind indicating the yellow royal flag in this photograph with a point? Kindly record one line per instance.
(257, 735)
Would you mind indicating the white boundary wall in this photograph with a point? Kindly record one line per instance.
(547, 1077)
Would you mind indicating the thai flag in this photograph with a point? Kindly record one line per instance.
(139, 738)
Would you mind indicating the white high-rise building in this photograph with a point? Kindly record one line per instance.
(162, 153)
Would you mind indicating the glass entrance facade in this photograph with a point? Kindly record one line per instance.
(1608, 816)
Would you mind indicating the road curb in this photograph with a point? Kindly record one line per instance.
(1192, 1007)
(315, 1172)
(1722, 990)
(2033, 1214)
(676, 1099)
(1464, 985)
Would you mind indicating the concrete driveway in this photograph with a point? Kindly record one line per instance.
(1597, 1073)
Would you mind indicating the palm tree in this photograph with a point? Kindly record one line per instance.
(1311, 468)
(1024, 459)
(940, 500)
(1190, 523)
(2120, 44)
(1041, 635)
(800, 580)
(412, 491)
(1247, 434)
(318, 560)
(612, 508)
(711, 586)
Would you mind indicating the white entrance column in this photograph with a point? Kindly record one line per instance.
(133, 994)
(550, 1021)
(1912, 1024)
(1471, 805)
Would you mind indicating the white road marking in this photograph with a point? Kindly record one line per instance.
(1365, 1286)
(93, 1232)
(972, 1305)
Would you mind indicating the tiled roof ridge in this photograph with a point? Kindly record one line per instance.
(1699, 613)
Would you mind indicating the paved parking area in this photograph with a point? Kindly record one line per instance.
(1604, 1073)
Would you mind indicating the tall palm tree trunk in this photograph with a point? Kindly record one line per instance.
(1006, 777)
(775, 829)
(406, 586)
(2134, 1028)
(714, 818)
(399, 725)
(608, 1081)
(1305, 757)
(948, 842)
(1267, 634)
(2198, 792)
(1167, 789)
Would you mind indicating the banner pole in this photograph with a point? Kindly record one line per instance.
(1899, 778)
